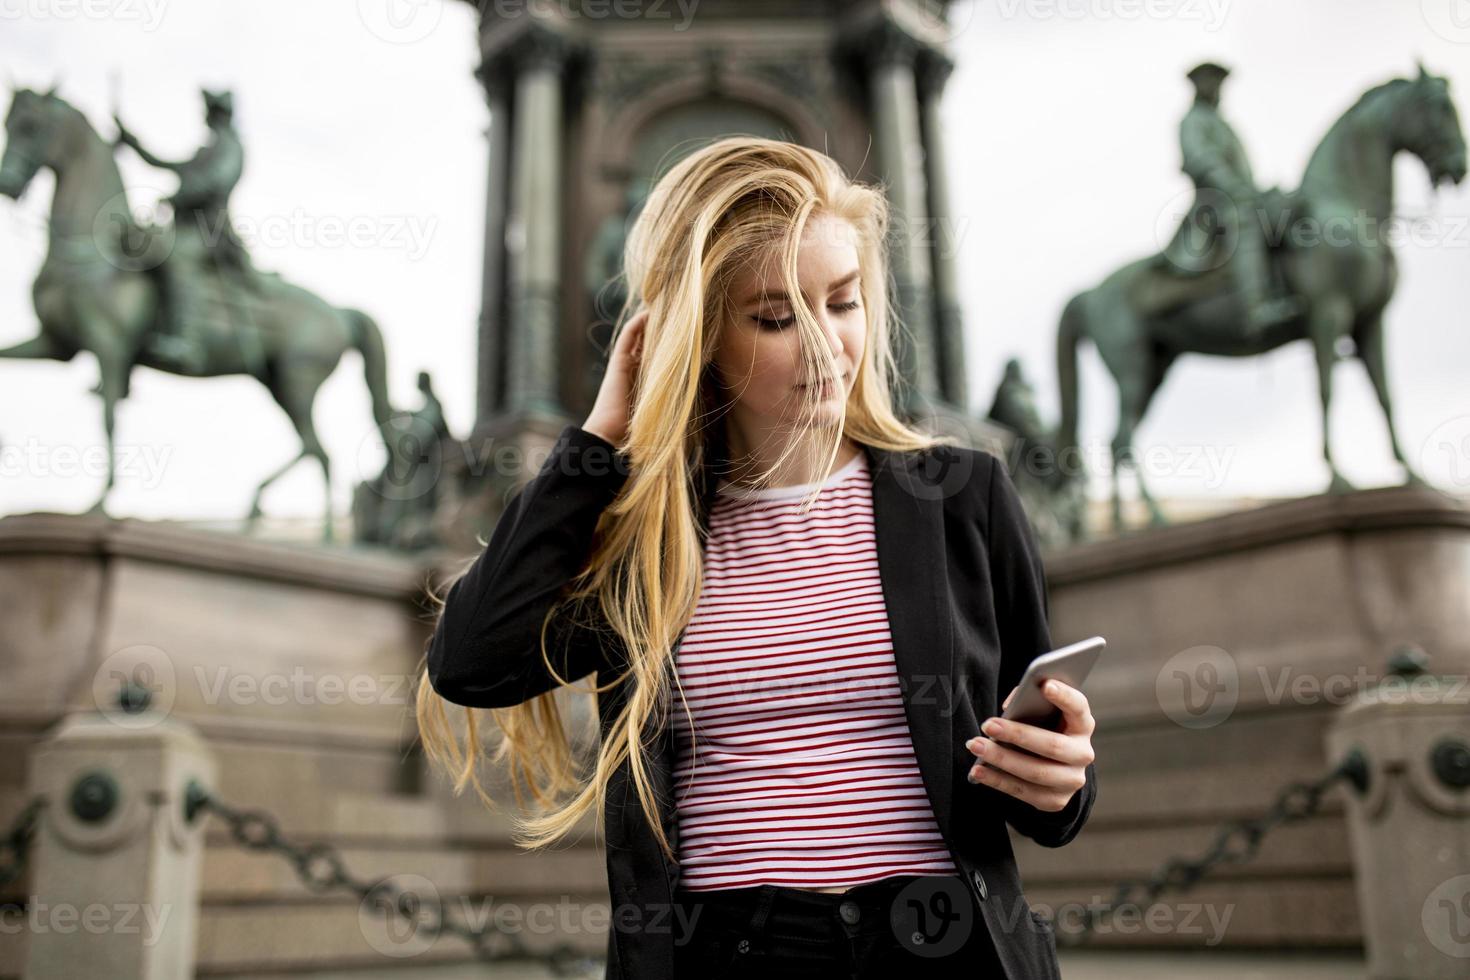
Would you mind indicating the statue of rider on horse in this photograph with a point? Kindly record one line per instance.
(203, 234)
(1224, 224)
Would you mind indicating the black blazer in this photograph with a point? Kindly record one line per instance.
(967, 605)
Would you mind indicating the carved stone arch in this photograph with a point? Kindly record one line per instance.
(680, 129)
(631, 99)
(623, 129)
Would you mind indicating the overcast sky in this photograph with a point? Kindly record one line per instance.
(364, 182)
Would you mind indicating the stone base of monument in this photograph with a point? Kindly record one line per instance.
(1233, 643)
(296, 665)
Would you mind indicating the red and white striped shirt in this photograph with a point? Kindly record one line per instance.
(803, 771)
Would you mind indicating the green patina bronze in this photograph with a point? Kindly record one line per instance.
(1215, 160)
(1055, 501)
(108, 279)
(1327, 244)
(204, 235)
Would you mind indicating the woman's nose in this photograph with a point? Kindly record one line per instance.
(830, 331)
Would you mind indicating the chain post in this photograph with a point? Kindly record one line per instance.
(16, 844)
(1296, 801)
(320, 867)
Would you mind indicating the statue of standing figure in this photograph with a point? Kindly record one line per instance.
(1052, 488)
(604, 281)
(400, 507)
(203, 232)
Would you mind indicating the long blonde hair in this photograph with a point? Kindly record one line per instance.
(718, 210)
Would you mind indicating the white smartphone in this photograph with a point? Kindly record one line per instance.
(1069, 664)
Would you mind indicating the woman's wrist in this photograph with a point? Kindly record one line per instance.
(602, 431)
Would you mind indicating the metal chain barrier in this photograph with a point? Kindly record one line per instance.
(1235, 843)
(17, 843)
(320, 868)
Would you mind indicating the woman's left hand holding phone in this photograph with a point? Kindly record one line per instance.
(1052, 767)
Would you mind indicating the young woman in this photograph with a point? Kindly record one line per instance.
(797, 610)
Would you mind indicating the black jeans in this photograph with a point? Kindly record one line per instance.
(914, 927)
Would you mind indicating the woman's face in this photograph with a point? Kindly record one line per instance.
(758, 357)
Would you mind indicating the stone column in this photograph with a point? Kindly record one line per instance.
(1408, 822)
(118, 850)
(533, 233)
(490, 393)
(890, 54)
(934, 69)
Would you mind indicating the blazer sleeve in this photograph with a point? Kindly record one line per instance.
(1022, 608)
(485, 651)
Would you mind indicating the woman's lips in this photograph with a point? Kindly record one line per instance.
(826, 387)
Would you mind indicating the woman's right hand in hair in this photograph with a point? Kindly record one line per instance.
(609, 416)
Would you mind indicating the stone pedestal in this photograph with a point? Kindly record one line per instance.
(1409, 824)
(1233, 644)
(297, 666)
(116, 860)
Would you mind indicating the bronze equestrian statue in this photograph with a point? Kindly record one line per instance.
(99, 290)
(1145, 314)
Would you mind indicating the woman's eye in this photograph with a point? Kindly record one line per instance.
(788, 321)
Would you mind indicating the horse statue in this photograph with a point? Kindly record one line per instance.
(99, 290)
(1144, 315)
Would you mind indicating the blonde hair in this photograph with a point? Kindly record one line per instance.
(719, 210)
